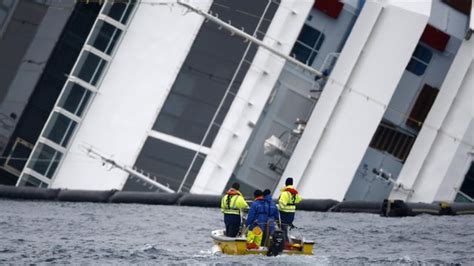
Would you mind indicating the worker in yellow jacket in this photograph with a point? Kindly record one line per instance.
(287, 202)
(231, 205)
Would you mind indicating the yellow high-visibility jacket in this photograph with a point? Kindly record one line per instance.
(288, 199)
(233, 202)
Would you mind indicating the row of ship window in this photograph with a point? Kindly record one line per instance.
(77, 93)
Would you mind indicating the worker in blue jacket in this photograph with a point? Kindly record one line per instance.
(262, 213)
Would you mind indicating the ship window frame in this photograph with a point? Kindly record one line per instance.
(302, 43)
(58, 132)
(90, 67)
(28, 180)
(75, 98)
(11, 168)
(99, 36)
(121, 16)
(418, 65)
(43, 150)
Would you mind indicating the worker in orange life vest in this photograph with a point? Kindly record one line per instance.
(287, 202)
(231, 205)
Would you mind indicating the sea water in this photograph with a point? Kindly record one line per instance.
(37, 232)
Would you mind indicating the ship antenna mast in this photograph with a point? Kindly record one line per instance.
(91, 152)
(251, 38)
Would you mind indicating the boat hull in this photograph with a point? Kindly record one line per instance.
(238, 246)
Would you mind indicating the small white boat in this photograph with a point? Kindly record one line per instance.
(238, 246)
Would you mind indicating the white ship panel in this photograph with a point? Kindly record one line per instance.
(328, 100)
(129, 98)
(358, 111)
(457, 170)
(435, 148)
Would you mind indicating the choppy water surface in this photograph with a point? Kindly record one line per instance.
(90, 233)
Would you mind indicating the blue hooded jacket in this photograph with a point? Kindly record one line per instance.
(261, 211)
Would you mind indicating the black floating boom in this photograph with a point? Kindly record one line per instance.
(387, 208)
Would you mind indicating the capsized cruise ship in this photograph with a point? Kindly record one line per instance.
(354, 99)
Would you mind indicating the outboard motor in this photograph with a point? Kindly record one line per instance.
(277, 244)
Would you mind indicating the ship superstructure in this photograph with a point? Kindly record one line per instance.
(381, 108)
